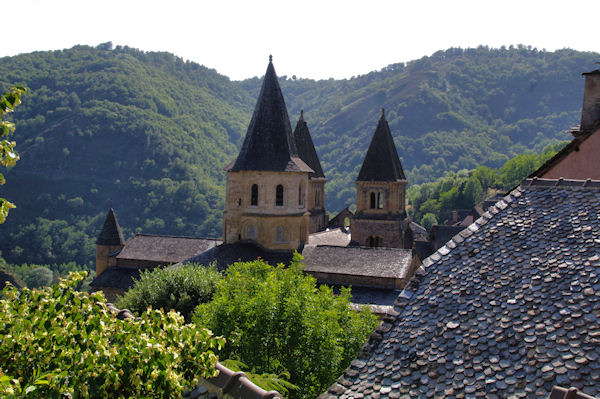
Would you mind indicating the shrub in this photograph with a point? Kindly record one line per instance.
(276, 321)
(180, 289)
(58, 342)
(38, 277)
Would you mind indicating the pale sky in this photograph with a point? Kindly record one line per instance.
(315, 39)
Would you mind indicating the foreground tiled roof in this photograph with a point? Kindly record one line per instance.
(381, 162)
(358, 261)
(227, 384)
(165, 249)
(269, 143)
(111, 232)
(510, 307)
(227, 254)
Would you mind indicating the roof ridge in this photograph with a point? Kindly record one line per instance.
(174, 236)
(536, 182)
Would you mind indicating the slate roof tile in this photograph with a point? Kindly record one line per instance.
(165, 249)
(111, 231)
(511, 311)
(381, 162)
(269, 144)
(359, 261)
(306, 148)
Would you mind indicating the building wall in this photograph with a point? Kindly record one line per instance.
(580, 165)
(394, 196)
(103, 260)
(316, 204)
(274, 227)
(382, 222)
(392, 233)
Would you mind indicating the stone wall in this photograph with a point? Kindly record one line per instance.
(275, 227)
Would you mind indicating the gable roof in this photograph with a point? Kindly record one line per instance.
(507, 308)
(164, 249)
(269, 144)
(381, 162)
(111, 231)
(358, 261)
(306, 148)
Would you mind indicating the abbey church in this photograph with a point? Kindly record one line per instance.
(275, 205)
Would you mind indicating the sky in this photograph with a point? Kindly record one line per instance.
(316, 39)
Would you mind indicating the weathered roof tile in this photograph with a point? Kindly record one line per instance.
(509, 312)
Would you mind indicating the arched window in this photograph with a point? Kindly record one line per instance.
(300, 195)
(373, 202)
(370, 241)
(254, 195)
(378, 241)
(379, 200)
(279, 195)
(251, 232)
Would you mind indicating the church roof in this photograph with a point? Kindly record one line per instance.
(382, 162)
(164, 249)
(269, 144)
(306, 148)
(507, 308)
(227, 254)
(111, 231)
(358, 261)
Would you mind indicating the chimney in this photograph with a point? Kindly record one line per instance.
(590, 111)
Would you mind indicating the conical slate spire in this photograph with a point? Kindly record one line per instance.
(306, 148)
(269, 144)
(382, 162)
(111, 232)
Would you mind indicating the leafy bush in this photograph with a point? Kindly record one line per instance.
(180, 289)
(277, 321)
(57, 341)
(38, 277)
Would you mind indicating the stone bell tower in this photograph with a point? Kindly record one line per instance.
(380, 219)
(267, 185)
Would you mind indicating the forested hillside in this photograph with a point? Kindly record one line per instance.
(150, 133)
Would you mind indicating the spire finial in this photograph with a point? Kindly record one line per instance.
(301, 114)
(110, 199)
(383, 112)
(270, 58)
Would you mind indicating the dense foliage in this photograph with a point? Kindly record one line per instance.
(8, 155)
(180, 289)
(153, 132)
(58, 342)
(431, 203)
(277, 321)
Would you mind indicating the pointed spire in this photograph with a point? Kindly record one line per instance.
(381, 162)
(306, 148)
(111, 231)
(269, 144)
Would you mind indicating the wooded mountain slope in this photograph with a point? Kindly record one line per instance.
(152, 133)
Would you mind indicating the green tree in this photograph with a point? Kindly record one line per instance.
(472, 192)
(180, 289)
(38, 277)
(57, 342)
(8, 155)
(428, 221)
(277, 321)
